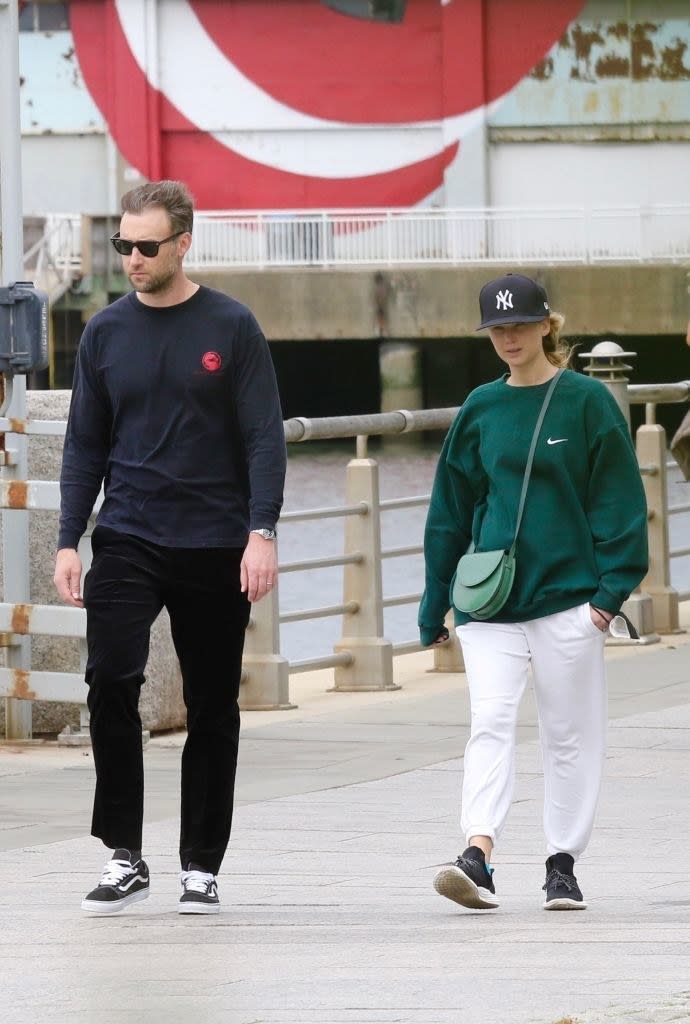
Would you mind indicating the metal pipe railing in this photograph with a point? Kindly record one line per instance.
(362, 658)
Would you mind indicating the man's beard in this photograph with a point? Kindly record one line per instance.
(155, 283)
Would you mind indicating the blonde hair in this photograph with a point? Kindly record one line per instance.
(557, 351)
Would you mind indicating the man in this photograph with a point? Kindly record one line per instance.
(175, 410)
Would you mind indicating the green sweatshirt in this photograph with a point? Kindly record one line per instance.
(584, 529)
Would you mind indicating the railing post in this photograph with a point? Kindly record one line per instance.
(606, 362)
(372, 656)
(651, 454)
(265, 680)
(448, 657)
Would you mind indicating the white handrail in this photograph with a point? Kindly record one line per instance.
(404, 236)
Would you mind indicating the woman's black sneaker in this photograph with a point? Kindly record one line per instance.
(468, 882)
(199, 892)
(562, 890)
(122, 884)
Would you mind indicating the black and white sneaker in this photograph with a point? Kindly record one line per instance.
(562, 890)
(468, 882)
(122, 884)
(199, 892)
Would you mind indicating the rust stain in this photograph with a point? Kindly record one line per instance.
(381, 302)
(621, 30)
(21, 618)
(543, 71)
(599, 52)
(612, 67)
(17, 494)
(583, 41)
(19, 688)
(643, 52)
(591, 103)
(17, 426)
(564, 42)
(673, 67)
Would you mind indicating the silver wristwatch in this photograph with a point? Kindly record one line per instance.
(266, 534)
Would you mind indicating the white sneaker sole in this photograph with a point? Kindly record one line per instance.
(454, 884)
(102, 908)
(199, 908)
(565, 904)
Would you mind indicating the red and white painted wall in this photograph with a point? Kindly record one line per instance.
(322, 103)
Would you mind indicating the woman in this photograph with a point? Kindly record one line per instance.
(581, 551)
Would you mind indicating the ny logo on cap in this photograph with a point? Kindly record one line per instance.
(504, 300)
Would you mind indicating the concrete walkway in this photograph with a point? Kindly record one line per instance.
(345, 808)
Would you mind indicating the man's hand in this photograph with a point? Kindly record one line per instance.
(67, 578)
(259, 567)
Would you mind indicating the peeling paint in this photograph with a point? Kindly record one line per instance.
(642, 51)
(673, 67)
(543, 71)
(621, 30)
(639, 70)
(619, 50)
(17, 426)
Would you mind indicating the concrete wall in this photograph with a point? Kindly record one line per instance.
(161, 699)
(441, 302)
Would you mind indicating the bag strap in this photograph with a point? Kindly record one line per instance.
(530, 457)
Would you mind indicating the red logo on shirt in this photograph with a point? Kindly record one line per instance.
(211, 361)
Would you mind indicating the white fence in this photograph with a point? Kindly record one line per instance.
(399, 237)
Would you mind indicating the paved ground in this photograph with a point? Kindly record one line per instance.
(346, 806)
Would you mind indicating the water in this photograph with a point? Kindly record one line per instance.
(316, 479)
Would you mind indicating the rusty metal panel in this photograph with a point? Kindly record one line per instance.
(607, 72)
(53, 97)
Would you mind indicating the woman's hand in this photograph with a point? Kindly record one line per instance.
(600, 618)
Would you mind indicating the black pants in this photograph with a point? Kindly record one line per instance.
(130, 580)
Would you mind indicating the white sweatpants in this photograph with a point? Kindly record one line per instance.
(566, 653)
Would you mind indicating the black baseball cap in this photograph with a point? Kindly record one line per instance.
(512, 299)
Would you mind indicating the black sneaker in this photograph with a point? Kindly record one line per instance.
(468, 882)
(122, 884)
(199, 892)
(562, 890)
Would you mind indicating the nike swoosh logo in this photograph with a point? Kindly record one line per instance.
(556, 440)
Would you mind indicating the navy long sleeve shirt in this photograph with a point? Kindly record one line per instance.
(175, 410)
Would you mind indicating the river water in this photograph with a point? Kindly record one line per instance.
(316, 479)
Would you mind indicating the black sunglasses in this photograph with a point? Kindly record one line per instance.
(147, 248)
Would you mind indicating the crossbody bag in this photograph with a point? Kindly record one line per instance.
(483, 579)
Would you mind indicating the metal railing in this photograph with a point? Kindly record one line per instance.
(363, 657)
(56, 258)
(399, 237)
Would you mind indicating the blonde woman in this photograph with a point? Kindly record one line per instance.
(581, 551)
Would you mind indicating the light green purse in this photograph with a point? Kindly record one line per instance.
(483, 579)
